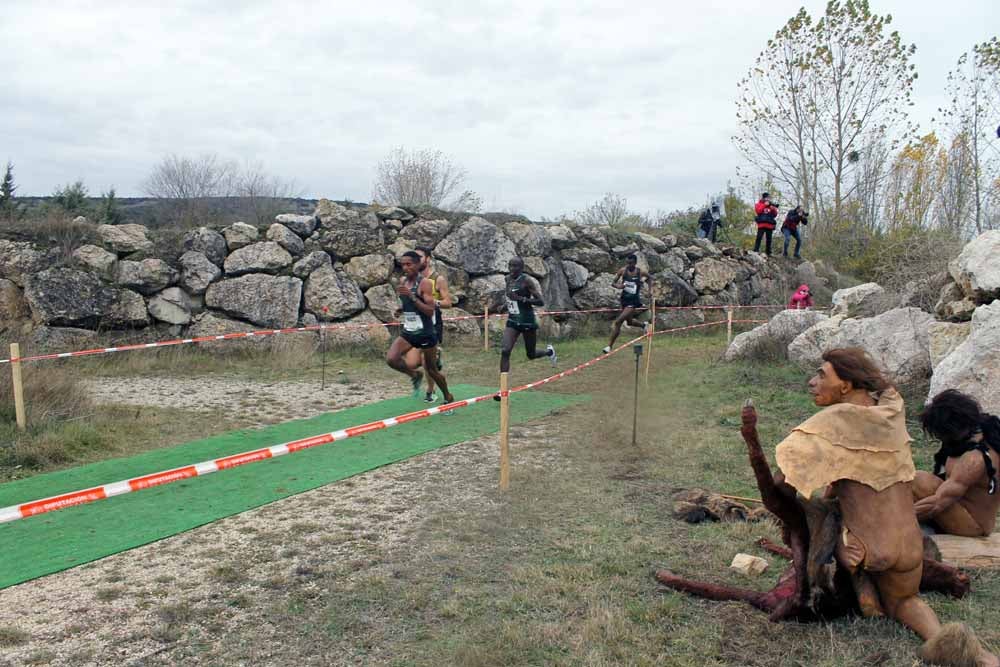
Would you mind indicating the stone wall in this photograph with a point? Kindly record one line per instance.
(338, 265)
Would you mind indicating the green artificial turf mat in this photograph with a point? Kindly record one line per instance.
(56, 541)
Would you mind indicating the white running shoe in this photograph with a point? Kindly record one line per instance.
(552, 355)
(606, 349)
(645, 327)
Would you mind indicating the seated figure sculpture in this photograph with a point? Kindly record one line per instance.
(961, 497)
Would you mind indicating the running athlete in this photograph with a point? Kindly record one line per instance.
(629, 280)
(417, 300)
(442, 299)
(523, 294)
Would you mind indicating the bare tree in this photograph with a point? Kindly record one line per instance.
(189, 183)
(611, 210)
(421, 177)
(263, 195)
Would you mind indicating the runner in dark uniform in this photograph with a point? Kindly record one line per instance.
(629, 280)
(523, 294)
(442, 299)
(418, 308)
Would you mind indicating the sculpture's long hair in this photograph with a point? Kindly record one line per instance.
(953, 418)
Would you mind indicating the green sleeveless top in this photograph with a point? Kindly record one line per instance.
(415, 323)
(519, 313)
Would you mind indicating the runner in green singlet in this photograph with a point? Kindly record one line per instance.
(523, 293)
(629, 280)
(416, 297)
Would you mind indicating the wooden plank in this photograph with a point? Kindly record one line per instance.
(969, 552)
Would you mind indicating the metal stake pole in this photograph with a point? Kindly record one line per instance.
(635, 401)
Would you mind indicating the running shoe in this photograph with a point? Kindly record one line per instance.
(417, 381)
(446, 402)
(429, 397)
(606, 349)
(645, 327)
(552, 355)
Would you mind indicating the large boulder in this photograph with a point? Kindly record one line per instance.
(265, 257)
(897, 340)
(669, 289)
(197, 272)
(770, 341)
(286, 238)
(96, 259)
(651, 242)
(675, 318)
(974, 366)
(124, 239)
(944, 338)
(171, 305)
(127, 311)
(594, 235)
(314, 260)
(208, 242)
(555, 287)
(460, 323)
(676, 260)
(562, 236)
(977, 268)
(861, 300)
(594, 258)
(65, 297)
(302, 225)
(486, 290)
(370, 270)
(528, 240)
(383, 302)
(478, 246)
(598, 293)
(215, 324)
(45, 340)
(19, 259)
(239, 235)
(712, 275)
(576, 274)
(535, 266)
(267, 301)
(394, 213)
(351, 238)
(362, 329)
(426, 233)
(12, 304)
(332, 295)
(953, 305)
(148, 276)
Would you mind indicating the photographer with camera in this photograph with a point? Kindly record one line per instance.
(790, 229)
(767, 220)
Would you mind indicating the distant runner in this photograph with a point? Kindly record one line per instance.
(415, 294)
(629, 280)
(523, 294)
(442, 299)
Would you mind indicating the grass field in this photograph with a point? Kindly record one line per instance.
(558, 570)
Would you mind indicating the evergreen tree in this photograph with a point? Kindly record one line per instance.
(7, 189)
(109, 213)
(72, 198)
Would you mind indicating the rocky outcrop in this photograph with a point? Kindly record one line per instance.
(562, 237)
(146, 277)
(897, 340)
(302, 225)
(215, 324)
(589, 256)
(97, 260)
(171, 305)
(576, 274)
(977, 269)
(598, 293)
(18, 259)
(197, 272)
(478, 246)
(287, 239)
(670, 289)
(124, 239)
(370, 270)
(771, 340)
(461, 328)
(314, 260)
(861, 300)
(239, 235)
(13, 307)
(332, 295)
(65, 297)
(713, 275)
(208, 242)
(974, 366)
(265, 257)
(127, 311)
(944, 338)
(529, 240)
(486, 290)
(46, 339)
(267, 301)
(426, 233)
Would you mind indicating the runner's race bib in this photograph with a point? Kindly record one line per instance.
(513, 307)
(412, 322)
(631, 288)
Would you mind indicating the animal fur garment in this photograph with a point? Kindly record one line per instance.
(955, 646)
(698, 505)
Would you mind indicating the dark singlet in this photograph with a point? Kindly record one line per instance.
(415, 323)
(630, 288)
(520, 315)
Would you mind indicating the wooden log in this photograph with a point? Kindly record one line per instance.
(970, 552)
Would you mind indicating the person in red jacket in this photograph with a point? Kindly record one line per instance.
(767, 220)
(802, 299)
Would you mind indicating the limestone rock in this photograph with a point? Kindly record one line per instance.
(770, 341)
(362, 329)
(467, 328)
(486, 290)
(897, 340)
(400, 246)
(676, 318)
(124, 239)
(332, 295)
(977, 268)
(215, 324)
(12, 304)
(350, 238)
(707, 247)
(598, 293)
(592, 257)
(394, 213)
(146, 277)
(239, 235)
(529, 239)
(383, 302)
(286, 238)
(649, 261)
(712, 275)
(329, 212)
(944, 338)
(950, 293)
(974, 366)
(562, 237)
(19, 259)
(208, 242)
(669, 289)
(535, 266)
(478, 246)
(624, 250)
(370, 270)
(555, 287)
(96, 259)
(651, 242)
(65, 297)
(48, 340)
(171, 306)
(267, 301)
(675, 260)
(593, 235)
(860, 300)
(426, 233)
(302, 225)
(752, 566)
(127, 311)
(576, 274)
(314, 260)
(197, 272)
(264, 257)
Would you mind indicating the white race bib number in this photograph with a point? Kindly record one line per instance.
(631, 288)
(412, 322)
(513, 308)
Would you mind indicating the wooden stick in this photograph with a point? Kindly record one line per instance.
(741, 498)
(15, 369)
(729, 325)
(504, 434)
(486, 329)
(649, 343)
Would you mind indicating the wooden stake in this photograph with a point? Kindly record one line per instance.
(504, 434)
(649, 343)
(486, 329)
(15, 369)
(729, 325)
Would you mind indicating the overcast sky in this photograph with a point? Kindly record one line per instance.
(547, 105)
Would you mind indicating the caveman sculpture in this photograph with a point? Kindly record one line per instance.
(858, 548)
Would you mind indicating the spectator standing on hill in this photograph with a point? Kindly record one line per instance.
(767, 220)
(790, 229)
(802, 299)
(709, 223)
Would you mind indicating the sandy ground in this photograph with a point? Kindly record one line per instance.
(189, 599)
